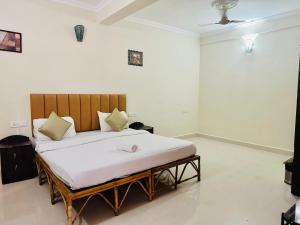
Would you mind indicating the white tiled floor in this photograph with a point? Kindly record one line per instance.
(239, 186)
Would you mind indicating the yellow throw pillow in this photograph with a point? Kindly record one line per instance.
(55, 127)
(116, 120)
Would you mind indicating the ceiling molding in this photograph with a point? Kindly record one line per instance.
(78, 4)
(161, 26)
(238, 37)
(102, 4)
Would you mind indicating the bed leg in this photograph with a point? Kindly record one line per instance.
(176, 177)
(116, 193)
(150, 187)
(51, 187)
(39, 171)
(199, 170)
(152, 184)
(69, 213)
(40, 178)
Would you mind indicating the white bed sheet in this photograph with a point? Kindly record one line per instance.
(92, 158)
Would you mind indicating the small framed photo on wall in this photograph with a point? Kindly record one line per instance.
(10, 41)
(135, 58)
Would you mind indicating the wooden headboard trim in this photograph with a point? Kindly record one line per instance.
(81, 107)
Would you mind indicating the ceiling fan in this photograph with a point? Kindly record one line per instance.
(223, 6)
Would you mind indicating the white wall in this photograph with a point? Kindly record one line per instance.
(251, 98)
(163, 93)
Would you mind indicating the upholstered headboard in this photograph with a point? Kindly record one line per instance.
(81, 107)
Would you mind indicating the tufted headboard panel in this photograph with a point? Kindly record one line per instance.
(81, 107)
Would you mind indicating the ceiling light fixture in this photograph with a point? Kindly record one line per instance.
(224, 4)
(249, 40)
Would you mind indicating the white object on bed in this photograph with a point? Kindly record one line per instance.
(128, 147)
(92, 158)
(37, 123)
(104, 126)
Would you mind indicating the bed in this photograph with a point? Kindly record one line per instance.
(90, 164)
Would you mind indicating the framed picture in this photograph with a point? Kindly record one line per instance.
(135, 58)
(10, 41)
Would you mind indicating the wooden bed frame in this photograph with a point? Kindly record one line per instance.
(83, 109)
(60, 191)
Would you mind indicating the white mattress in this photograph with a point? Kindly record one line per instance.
(94, 157)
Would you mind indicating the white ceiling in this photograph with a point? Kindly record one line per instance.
(188, 14)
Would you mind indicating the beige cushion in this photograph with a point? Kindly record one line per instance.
(116, 120)
(38, 123)
(55, 127)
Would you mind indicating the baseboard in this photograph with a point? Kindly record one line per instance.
(238, 142)
(191, 135)
(247, 144)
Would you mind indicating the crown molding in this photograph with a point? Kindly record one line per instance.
(86, 6)
(161, 26)
(239, 37)
(78, 4)
(102, 4)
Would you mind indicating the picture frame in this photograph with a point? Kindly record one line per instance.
(135, 58)
(10, 41)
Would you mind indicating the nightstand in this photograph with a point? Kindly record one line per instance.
(17, 159)
(147, 128)
(288, 218)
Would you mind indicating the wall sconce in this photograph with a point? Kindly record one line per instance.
(249, 40)
(79, 31)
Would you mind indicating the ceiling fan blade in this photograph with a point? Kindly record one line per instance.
(208, 24)
(237, 21)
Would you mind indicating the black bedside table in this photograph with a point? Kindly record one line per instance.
(147, 128)
(288, 218)
(140, 126)
(17, 159)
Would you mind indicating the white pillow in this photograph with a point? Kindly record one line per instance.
(37, 123)
(105, 127)
(126, 116)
